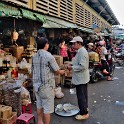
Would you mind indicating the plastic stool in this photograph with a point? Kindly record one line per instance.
(26, 119)
(27, 109)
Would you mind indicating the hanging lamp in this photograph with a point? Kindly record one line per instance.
(15, 34)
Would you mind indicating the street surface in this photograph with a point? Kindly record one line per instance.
(102, 98)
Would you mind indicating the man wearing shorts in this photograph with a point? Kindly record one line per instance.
(43, 68)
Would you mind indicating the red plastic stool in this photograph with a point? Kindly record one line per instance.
(26, 119)
(27, 109)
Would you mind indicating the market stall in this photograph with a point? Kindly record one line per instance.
(13, 92)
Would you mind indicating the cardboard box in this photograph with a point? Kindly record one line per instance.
(5, 112)
(59, 60)
(93, 56)
(57, 79)
(17, 52)
(6, 49)
(67, 63)
(68, 73)
(29, 60)
(1, 62)
(10, 120)
(1, 106)
(32, 41)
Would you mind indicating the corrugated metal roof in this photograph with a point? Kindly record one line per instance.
(103, 9)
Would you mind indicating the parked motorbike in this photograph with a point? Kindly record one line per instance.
(119, 57)
(96, 71)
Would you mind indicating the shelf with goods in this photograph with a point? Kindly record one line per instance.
(12, 98)
(9, 63)
(29, 52)
(10, 101)
(11, 80)
(13, 95)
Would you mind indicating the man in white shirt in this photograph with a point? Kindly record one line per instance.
(80, 76)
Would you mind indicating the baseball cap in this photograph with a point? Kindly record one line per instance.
(91, 44)
(102, 42)
(77, 38)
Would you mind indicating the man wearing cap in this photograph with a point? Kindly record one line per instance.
(90, 47)
(80, 76)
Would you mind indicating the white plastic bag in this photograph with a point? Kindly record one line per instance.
(23, 63)
(58, 93)
(25, 96)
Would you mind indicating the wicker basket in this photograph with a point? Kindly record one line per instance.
(17, 52)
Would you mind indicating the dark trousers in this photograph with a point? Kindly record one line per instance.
(65, 59)
(105, 66)
(82, 96)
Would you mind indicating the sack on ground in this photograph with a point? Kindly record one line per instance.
(58, 93)
(25, 96)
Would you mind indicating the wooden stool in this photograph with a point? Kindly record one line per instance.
(27, 109)
(26, 119)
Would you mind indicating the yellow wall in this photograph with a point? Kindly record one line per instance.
(57, 11)
(91, 11)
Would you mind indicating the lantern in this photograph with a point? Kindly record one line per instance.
(15, 36)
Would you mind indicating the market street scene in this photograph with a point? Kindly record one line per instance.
(61, 62)
(106, 102)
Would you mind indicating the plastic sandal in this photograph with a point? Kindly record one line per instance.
(82, 117)
(110, 80)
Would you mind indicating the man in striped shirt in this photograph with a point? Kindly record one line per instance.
(44, 67)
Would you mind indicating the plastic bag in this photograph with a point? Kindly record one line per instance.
(23, 63)
(58, 93)
(25, 96)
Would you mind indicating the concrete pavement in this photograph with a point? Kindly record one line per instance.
(102, 98)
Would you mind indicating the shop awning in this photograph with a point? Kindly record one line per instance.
(105, 32)
(40, 17)
(86, 30)
(2, 14)
(53, 22)
(9, 11)
(28, 14)
(32, 15)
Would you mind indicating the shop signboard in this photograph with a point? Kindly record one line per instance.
(96, 28)
(11, 11)
(7, 10)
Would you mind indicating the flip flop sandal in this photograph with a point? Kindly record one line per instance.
(82, 117)
(105, 72)
(110, 80)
